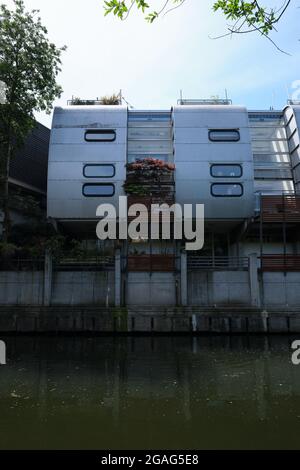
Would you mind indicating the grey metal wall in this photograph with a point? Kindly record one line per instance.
(69, 153)
(195, 153)
(29, 165)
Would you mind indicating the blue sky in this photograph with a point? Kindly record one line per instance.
(151, 63)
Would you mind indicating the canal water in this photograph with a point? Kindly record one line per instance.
(149, 393)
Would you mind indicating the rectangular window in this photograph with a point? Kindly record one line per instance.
(99, 171)
(98, 190)
(100, 135)
(227, 190)
(224, 135)
(226, 171)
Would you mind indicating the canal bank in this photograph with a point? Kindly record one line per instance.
(158, 320)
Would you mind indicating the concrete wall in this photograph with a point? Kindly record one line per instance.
(218, 288)
(83, 288)
(205, 288)
(281, 290)
(68, 288)
(21, 288)
(151, 289)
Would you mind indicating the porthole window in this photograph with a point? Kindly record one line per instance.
(99, 171)
(226, 171)
(100, 135)
(227, 190)
(98, 190)
(224, 135)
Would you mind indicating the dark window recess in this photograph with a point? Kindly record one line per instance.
(98, 190)
(99, 171)
(227, 190)
(100, 135)
(224, 135)
(226, 171)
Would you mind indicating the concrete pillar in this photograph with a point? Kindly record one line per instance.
(183, 279)
(48, 270)
(118, 278)
(253, 279)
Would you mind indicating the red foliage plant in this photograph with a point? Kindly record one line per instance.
(150, 164)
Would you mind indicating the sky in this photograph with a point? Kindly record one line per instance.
(152, 63)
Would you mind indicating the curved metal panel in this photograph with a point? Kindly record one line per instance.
(195, 153)
(70, 152)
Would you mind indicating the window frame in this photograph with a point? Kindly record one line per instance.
(97, 165)
(224, 130)
(98, 184)
(226, 164)
(99, 132)
(227, 184)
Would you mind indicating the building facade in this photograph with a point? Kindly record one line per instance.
(242, 165)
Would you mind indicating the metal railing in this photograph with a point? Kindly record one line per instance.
(221, 263)
(151, 263)
(212, 101)
(97, 263)
(19, 264)
(280, 263)
(100, 263)
(280, 208)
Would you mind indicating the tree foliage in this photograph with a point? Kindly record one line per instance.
(29, 65)
(247, 16)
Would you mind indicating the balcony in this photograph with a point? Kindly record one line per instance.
(280, 208)
(283, 263)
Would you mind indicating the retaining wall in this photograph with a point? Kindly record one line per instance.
(96, 320)
(218, 288)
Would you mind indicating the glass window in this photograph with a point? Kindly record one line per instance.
(98, 190)
(226, 171)
(99, 171)
(226, 190)
(100, 135)
(224, 135)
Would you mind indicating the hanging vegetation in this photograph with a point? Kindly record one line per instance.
(147, 176)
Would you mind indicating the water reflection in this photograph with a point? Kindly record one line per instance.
(150, 392)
